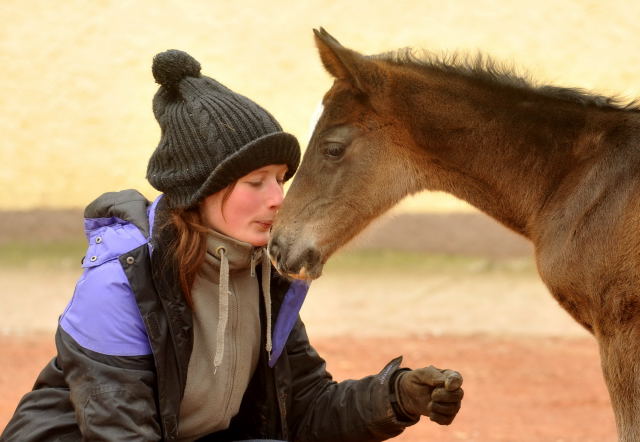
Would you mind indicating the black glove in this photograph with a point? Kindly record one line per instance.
(429, 392)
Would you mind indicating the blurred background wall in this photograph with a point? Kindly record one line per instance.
(76, 89)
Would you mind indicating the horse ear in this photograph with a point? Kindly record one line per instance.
(344, 63)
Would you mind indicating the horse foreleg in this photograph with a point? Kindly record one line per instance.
(620, 357)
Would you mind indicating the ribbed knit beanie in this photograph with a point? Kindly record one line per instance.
(210, 135)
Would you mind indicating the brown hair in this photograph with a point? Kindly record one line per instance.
(190, 243)
(189, 247)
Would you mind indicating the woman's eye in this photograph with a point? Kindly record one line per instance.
(334, 150)
(255, 183)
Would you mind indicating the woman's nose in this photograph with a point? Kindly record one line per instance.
(276, 195)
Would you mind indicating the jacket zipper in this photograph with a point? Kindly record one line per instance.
(234, 356)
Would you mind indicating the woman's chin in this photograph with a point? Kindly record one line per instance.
(259, 240)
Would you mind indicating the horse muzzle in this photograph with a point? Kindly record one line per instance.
(295, 260)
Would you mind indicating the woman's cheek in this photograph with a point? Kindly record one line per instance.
(248, 205)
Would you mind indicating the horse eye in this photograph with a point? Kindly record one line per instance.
(334, 150)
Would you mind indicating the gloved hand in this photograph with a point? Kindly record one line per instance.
(429, 392)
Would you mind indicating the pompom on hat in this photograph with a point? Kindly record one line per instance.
(210, 135)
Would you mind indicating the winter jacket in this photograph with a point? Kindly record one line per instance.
(121, 363)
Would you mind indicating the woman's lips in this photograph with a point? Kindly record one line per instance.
(266, 225)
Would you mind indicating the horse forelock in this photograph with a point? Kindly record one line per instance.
(483, 68)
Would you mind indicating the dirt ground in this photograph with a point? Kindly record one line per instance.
(530, 373)
(516, 389)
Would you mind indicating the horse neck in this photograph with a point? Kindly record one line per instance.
(501, 150)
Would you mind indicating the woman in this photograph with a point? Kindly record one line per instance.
(178, 328)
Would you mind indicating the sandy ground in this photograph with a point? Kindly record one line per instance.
(531, 374)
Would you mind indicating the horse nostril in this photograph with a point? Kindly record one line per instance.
(312, 257)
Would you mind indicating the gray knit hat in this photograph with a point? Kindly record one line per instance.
(210, 135)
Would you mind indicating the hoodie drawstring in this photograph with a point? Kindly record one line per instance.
(266, 291)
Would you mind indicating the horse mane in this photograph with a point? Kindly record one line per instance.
(481, 67)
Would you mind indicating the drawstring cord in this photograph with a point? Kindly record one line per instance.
(266, 291)
(223, 307)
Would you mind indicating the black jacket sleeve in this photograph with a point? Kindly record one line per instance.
(83, 395)
(113, 396)
(325, 410)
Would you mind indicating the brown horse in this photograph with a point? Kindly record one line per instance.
(559, 166)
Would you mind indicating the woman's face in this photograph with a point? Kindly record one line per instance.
(251, 206)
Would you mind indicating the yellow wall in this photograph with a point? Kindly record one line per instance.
(76, 87)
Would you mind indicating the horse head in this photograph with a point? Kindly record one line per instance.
(357, 165)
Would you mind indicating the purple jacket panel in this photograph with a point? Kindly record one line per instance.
(103, 315)
(287, 317)
(109, 238)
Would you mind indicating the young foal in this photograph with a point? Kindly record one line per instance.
(558, 166)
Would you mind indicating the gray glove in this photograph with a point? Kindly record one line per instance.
(429, 392)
